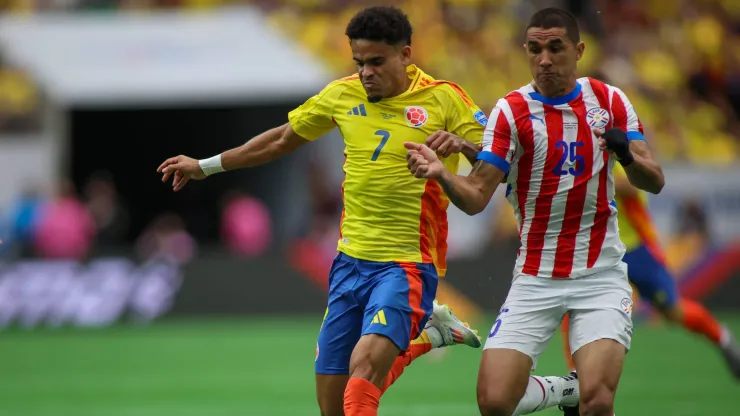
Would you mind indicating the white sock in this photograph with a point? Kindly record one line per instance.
(545, 392)
(434, 336)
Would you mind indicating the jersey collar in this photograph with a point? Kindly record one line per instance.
(414, 73)
(563, 99)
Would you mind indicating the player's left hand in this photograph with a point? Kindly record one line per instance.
(445, 143)
(615, 141)
(422, 161)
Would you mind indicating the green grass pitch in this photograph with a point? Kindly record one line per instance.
(264, 366)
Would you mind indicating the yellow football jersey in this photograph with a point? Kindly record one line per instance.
(636, 227)
(388, 214)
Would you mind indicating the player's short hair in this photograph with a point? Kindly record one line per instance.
(553, 17)
(380, 24)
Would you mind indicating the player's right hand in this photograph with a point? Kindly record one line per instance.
(423, 162)
(445, 143)
(615, 141)
(182, 169)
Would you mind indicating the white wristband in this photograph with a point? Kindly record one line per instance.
(211, 165)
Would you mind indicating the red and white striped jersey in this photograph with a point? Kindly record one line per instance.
(560, 183)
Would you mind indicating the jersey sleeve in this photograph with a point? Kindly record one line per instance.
(499, 140)
(625, 116)
(464, 118)
(314, 118)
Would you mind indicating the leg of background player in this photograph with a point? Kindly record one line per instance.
(692, 315)
(565, 332)
(657, 286)
(696, 318)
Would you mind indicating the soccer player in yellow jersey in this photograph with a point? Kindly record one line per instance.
(392, 246)
(648, 273)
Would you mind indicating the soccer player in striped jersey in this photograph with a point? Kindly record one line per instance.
(648, 273)
(557, 139)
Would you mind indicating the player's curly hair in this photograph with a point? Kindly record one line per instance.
(553, 17)
(380, 24)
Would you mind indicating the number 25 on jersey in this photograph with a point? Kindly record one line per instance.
(570, 153)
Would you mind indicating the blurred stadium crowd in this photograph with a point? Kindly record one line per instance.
(679, 61)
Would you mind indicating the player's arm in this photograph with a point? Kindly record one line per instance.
(465, 123)
(473, 192)
(306, 123)
(262, 149)
(642, 170)
(470, 151)
(446, 143)
(627, 143)
(645, 172)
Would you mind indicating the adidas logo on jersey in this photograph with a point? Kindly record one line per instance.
(379, 318)
(358, 111)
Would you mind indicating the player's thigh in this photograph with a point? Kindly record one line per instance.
(338, 336)
(600, 335)
(531, 313)
(599, 365)
(401, 302)
(600, 307)
(651, 278)
(503, 376)
(342, 324)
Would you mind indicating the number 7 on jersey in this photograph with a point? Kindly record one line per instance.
(385, 135)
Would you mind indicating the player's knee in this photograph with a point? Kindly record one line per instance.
(495, 402)
(364, 365)
(597, 400)
(363, 368)
(372, 358)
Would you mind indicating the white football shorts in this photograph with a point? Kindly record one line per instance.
(600, 307)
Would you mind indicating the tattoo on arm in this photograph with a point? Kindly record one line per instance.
(450, 188)
(451, 183)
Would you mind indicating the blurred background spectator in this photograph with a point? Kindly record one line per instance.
(64, 227)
